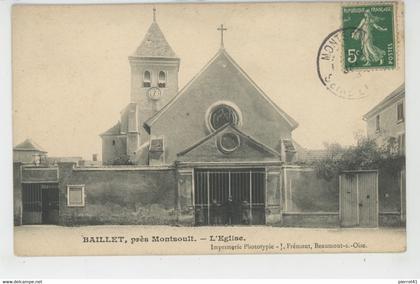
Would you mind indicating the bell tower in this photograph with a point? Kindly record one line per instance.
(154, 75)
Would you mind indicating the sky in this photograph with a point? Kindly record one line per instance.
(71, 75)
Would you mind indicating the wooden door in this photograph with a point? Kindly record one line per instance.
(359, 199)
(368, 200)
(348, 201)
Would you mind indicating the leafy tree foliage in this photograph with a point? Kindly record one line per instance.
(366, 155)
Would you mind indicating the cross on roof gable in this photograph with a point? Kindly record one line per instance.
(222, 52)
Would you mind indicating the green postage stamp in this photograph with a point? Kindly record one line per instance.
(369, 40)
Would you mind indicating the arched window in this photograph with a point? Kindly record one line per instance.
(147, 82)
(162, 79)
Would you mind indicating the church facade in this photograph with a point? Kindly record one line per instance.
(224, 136)
(161, 122)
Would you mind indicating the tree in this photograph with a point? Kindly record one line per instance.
(366, 155)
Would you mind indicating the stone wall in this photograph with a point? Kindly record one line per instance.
(304, 191)
(114, 149)
(39, 174)
(309, 201)
(119, 196)
(311, 219)
(391, 196)
(132, 195)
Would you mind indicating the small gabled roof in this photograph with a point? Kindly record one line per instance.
(222, 52)
(235, 129)
(29, 145)
(156, 145)
(114, 130)
(154, 45)
(288, 145)
(387, 101)
(121, 127)
(312, 155)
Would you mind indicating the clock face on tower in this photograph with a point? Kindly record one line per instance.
(154, 93)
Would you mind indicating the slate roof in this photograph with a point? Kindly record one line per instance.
(388, 100)
(288, 144)
(313, 155)
(122, 126)
(29, 145)
(154, 44)
(221, 56)
(114, 130)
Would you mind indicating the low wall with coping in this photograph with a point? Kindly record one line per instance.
(311, 219)
(309, 200)
(119, 196)
(150, 195)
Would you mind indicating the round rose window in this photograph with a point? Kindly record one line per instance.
(228, 142)
(222, 115)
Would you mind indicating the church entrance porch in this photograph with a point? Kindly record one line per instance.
(229, 196)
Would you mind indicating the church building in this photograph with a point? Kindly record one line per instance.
(222, 133)
(211, 153)
(215, 118)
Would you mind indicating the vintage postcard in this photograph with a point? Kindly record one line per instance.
(241, 128)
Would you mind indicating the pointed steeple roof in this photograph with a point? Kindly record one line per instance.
(154, 44)
(29, 145)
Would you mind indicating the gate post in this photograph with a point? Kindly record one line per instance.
(65, 171)
(185, 177)
(273, 197)
(17, 194)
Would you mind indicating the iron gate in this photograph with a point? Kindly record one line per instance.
(229, 196)
(39, 203)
